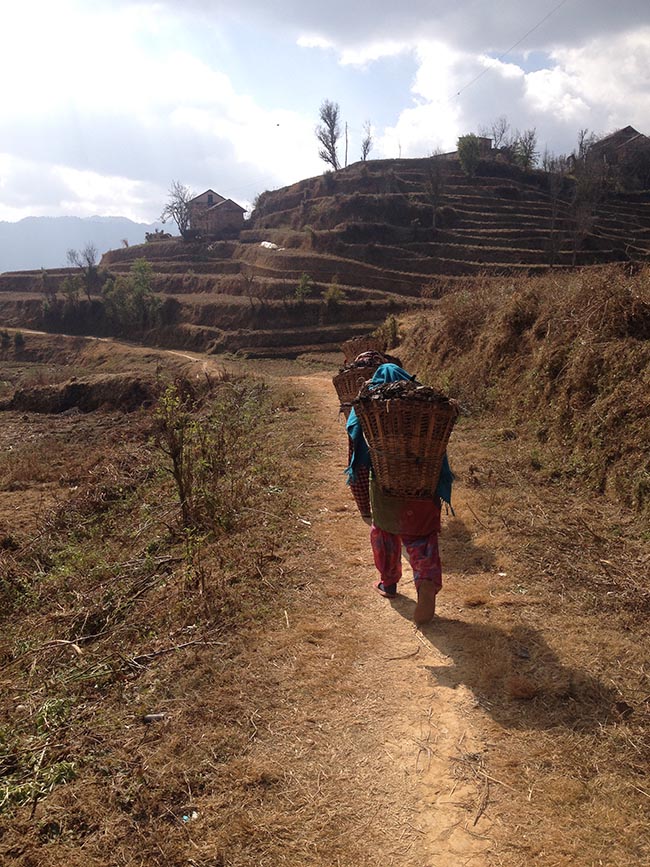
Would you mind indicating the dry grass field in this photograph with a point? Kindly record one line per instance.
(298, 718)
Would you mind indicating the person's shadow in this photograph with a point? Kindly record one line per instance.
(459, 552)
(516, 677)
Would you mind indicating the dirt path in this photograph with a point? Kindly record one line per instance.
(403, 746)
(512, 730)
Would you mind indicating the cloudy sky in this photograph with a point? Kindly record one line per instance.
(105, 102)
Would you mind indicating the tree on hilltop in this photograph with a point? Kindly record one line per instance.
(366, 142)
(178, 207)
(328, 132)
(469, 153)
(86, 260)
(525, 148)
(500, 133)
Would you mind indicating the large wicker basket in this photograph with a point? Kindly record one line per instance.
(349, 380)
(356, 345)
(407, 427)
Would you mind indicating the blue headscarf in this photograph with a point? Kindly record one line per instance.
(360, 452)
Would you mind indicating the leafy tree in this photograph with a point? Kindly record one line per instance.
(129, 302)
(366, 142)
(328, 132)
(47, 286)
(304, 287)
(469, 153)
(86, 260)
(71, 287)
(525, 148)
(178, 207)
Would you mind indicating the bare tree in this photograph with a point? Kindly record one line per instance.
(366, 143)
(328, 133)
(590, 188)
(500, 132)
(177, 207)
(86, 260)
(586, 140)
(556, 169)
(434, 184)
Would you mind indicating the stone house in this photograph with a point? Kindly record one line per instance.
(211, 214)
(620, 146)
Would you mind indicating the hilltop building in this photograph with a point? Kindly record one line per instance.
(211, 214)
(620, 146)
(484, 147)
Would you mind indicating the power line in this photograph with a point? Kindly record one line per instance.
(512, 48)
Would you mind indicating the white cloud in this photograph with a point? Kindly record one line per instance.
(555, 91)
(433, 123)
(613, 77)
(307, 41)
(114, 114)
(602, 85)
(365, 54)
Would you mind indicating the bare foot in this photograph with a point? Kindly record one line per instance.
(426, 604)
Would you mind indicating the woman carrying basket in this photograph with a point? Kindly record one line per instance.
(396, 521)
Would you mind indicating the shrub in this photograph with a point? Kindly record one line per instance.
(129, 303)
(469, 153)
(388, 332)
(304, 288)
(568, 356)
(209, 445)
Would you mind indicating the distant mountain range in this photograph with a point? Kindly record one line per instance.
(42, 242)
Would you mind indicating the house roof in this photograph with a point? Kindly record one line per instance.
(226, 202)
(621, 137)
(205, 193)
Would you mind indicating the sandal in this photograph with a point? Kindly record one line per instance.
(389, 591)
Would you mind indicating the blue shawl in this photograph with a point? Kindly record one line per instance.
(360, 452)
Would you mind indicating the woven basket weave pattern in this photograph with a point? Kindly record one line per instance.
(356, 345)
(348, 382)
(407, 441)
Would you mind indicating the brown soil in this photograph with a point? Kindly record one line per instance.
(512, 730)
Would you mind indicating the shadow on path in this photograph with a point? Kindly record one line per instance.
(516, 676)
(458, 551)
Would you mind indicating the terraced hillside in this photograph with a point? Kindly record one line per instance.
(373, 239)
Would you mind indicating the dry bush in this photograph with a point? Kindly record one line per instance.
(109, 612)
(566, 355)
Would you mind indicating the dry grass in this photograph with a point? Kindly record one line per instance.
(564, 357)
(110, 611)
(265, 750)
(553, 466)
(552, 642)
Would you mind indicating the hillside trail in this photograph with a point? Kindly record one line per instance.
(396, 719)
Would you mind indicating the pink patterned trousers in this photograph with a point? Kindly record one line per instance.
(422, 553)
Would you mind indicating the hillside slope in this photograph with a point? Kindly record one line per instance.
(375, 238)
